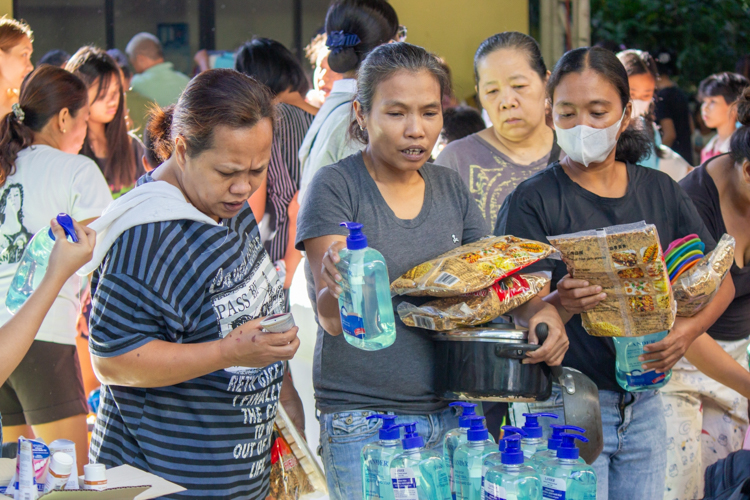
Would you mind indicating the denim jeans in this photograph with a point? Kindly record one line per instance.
(344, 434)
(634, 460)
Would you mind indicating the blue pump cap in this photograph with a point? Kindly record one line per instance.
(67, 224)
(555, 440)
(508, 431)
(468, 410)
(512, 455)
(356, 239)
(532, 427)
(568, 447)
(411, 438)
(477, 431)
(390, 430)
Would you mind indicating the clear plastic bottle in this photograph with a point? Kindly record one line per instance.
(494, 459)
(566, 477)
(33, 265)
(534, 441)
(553, 443)
(629, 370)
(456, 437)
(418, 474)
(365, 301)
(468, 460)
(376, 460)
(512, 480)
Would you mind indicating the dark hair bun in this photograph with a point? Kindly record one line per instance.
(343, 60)
(743, 107)
(159, 132)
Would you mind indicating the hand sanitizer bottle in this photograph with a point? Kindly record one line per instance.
(418, 474)
(376, 460)
(468, 460)
(494, 459)
(365, 301)
(565, 477)
(553, 443)
(533, 441)
(629, 370)
(456, 437)
(512, 480)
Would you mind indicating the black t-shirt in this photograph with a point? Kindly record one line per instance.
(734, 324)
(550, 203)
(672, 103)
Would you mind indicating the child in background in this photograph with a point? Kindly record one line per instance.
(717, 95)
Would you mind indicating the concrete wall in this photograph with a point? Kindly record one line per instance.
(453, 29)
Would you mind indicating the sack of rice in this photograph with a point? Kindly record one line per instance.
(627, 262)
(474, 308)
(471, 267)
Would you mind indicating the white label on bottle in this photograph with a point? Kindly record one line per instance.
(423, 322)
(493, 492)
(404, 484)
(446, 279)
(553, 488)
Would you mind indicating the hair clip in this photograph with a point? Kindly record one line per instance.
(18, 112)
(338, 40)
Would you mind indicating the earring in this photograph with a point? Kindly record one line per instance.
(63, 131)
(361, 127)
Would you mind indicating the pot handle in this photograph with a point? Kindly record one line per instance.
(514, 351)
(542, 331)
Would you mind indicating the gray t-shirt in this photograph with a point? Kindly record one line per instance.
(400, 377)
(490, 174)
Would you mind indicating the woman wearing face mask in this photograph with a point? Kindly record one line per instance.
(177, 325)
(597, 185)
(717, 95)
(353, 29)
(510, 76)
(108, 142)
(40, 176)
(15, 60)
(412, 211)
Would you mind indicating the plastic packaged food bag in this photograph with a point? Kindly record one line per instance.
(698, 286)
(471, 267)
(295, 474)
(627, 262)
(474, 308)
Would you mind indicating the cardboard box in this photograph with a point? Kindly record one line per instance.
(125, 483)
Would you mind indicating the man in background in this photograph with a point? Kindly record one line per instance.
(155, 78)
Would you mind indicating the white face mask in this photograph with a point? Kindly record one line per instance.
(640, 107)
(587, 145)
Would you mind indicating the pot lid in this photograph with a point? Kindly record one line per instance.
(485, 333)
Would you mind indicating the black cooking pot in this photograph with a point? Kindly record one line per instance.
(484, 364)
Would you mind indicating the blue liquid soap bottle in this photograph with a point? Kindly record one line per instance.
(534, 441)
(376, 460)
(365, 300)
(512, 480)
(629, 370)
(494, 459)
(468, 460)
(456, 437)
(567, 478)
(553, 443)
(418, 474)
(34, 262)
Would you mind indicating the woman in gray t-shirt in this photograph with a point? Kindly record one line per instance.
(511, 78)
(412, 211)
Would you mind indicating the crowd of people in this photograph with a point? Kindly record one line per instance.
(197, 199)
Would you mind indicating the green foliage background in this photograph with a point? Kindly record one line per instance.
(706, 36)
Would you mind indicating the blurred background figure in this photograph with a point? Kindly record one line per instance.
(672, 109)
(154, 77)
(55, 57)
(458, 122)
(15, 60)
(323, 76)
(137, 104)
(717, 95)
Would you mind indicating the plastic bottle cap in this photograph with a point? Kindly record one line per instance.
(67, 224)
(555, 440)
(512, 455)
(477, 431)
(508, 431)
(532, 427)
(411, 438)
(568, 448)
(468, 410)
(61, 464)
(356, 239)
(390, 431)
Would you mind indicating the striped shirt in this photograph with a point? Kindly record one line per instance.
(284, 174)
(188, 282)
